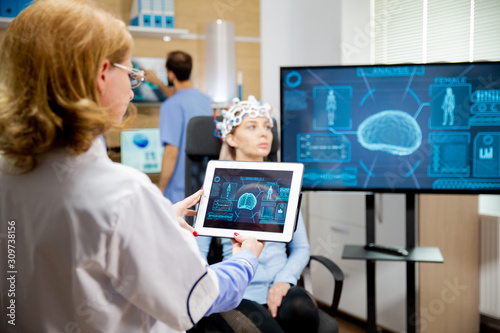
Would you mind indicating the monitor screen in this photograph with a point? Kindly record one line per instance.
(142, 149)
(249, 199)
(394, 128)
(148, 92)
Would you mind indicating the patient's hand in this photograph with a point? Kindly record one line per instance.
(275, 296)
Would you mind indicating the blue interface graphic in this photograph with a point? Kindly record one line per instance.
(142, 149)
(394, 128)
(248, 199)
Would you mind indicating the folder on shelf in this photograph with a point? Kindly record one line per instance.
(153, 13)
(169, 21)
(12, 8)
(134, 13)
(21, 4)
(141, 13)
(9, 8)
(157, 9)
(145, 19)
(168, 13)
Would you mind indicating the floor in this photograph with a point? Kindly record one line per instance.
(348, 326)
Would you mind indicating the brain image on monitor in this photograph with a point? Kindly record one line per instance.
(394, 128)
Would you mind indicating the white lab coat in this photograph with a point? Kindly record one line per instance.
(97, 249)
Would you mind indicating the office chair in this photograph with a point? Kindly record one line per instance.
(202, 146)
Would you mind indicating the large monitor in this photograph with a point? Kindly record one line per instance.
(394, 128)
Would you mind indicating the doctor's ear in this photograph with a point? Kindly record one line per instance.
(102, 76)
(171, 76)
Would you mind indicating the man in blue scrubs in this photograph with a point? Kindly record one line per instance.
(175, 113)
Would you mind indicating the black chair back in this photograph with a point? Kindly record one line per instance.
(202, 145)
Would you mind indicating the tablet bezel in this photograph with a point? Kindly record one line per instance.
(286, 236)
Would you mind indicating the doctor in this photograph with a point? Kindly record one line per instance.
(93, 246)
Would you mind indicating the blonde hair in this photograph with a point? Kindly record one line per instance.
(50, 57)
(229, 152)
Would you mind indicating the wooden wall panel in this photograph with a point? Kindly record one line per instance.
(147, 117)
(449, 292)
(193, 16)
(248, 62)
(150, 47)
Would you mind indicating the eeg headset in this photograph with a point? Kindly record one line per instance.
(239, 109)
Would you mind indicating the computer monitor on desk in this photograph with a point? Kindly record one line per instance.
(142, 149)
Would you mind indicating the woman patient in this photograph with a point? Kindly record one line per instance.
(272, 302)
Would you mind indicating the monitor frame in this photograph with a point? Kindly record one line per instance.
(285, 131)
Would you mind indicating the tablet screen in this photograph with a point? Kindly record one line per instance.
(256, 198)
(248, 199)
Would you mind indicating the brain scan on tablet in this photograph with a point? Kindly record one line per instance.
(254, 198)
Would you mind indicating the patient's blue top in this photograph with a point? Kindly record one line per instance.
(274, 264)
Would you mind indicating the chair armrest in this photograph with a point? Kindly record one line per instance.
(338, 276)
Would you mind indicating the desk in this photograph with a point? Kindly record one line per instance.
(416, 254)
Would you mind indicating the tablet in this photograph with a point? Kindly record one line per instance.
(260, 199)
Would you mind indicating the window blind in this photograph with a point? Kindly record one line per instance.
(423, 31)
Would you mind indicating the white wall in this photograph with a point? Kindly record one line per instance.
(355, 34)
(296, 32)
(489, 204)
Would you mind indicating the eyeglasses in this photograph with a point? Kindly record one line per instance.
(136, 75)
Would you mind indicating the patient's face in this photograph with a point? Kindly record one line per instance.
(252, 139)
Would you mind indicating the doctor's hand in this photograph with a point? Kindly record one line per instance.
(275, 296)
(182, 209)
(241, 242)
(150, 76)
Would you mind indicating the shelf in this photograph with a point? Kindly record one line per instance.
(134, 31)
(150, 32)
(417, 254)
(5, 21)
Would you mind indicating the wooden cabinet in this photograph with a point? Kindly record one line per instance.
(449, 293)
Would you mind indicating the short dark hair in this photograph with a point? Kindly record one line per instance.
(180, 63)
